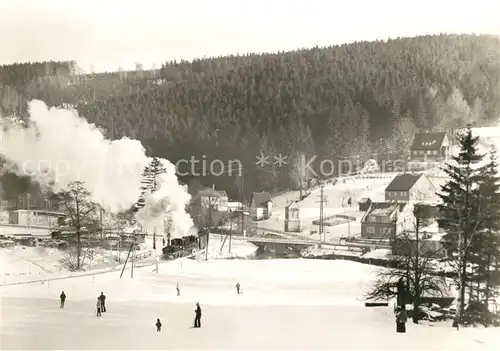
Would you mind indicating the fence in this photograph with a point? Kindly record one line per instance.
(142, 255)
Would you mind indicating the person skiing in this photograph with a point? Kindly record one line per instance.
(401, 318)
(238, 288)
(63, 298)
(158, 325)
(98, 307)
(178, 290)
(197, 318)
(102, 297)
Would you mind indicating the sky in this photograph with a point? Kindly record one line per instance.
(106, 34)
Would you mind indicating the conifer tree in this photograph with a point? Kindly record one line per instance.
(149, 184)
(489, 248)
(460, 208)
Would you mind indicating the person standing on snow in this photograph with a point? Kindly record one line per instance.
(102, 297)
(197, 318)
(158, 325)
(238, 288)
(401, 318)
(63, 298)
(98, 307)
(178, 290)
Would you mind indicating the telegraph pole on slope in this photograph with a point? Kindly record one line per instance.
(210, 223)
(242, 196)
(322, 201)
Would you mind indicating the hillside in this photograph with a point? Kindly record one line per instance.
(355, 102)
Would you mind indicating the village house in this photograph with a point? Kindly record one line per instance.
(384, 220)
(292, 217)
(411, 188)
(430, 240)
(430, 147)
(35, 218)
(261, 205)
(210, 198)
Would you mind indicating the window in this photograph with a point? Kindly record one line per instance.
(370, 230)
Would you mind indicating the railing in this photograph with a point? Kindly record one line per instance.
(142, 255)
(281, 241)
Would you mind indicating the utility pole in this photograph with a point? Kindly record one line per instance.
(28, 208)
(322, 201)
(133, 259)
(210, 224)
(230, 233)
(242, 203)
(154, 238)
(102, 229)
(45, 203)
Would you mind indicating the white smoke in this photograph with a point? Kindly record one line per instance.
(57, 147)
(162, 215)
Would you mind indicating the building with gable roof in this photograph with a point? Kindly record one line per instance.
(261, 205)
(411, 188)
(430, 147)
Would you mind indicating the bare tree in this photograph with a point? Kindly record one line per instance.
(415, 267)
(80, 211)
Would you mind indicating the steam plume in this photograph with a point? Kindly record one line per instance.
(57, 147)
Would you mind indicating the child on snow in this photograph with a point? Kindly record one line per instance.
(99, 306)
(158, 325)
(401, 318)
(238, 288)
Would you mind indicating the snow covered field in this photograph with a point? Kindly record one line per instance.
(24, 264)
(285, 304)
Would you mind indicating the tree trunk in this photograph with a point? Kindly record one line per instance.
(463, 282)
(416, 302)
(487, 290)
(78, 248)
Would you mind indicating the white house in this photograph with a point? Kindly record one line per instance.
(410, 188)
(261, 205)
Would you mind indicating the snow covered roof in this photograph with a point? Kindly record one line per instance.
(210, 192)
(383, 209)
(261, 199)
(403, 182)
(428, 141)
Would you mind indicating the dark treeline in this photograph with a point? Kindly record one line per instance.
(356, 101)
